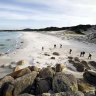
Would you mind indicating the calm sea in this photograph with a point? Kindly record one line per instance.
(9, 41)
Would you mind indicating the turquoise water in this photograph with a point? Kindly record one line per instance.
(9, 41)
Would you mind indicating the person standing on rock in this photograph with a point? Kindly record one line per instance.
(70, 51)
(90, 55)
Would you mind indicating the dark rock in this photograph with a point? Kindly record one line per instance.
(46, 73)
(23, 84)
(34, 68)
(70, 58)
(7, 89)
(43, 86)
(76, 59)
(79, 67)
(85, 64)
(56, 53)
(46, 54)
(92, 63)
(59, 67)
(61, 83)
(52, 58)
(90, 76)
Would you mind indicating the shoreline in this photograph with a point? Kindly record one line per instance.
(32, 52)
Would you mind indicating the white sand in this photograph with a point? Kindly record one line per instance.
(33, 54)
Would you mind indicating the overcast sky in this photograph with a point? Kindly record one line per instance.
(17, 14)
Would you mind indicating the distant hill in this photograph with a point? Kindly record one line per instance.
(79, 29)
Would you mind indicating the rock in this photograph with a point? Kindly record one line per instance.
(73, 81)
(22, 84)
(46, 73)
(17, 68)
(92, 63)
(56, 53)
(70, 58)
(61, 83)
(59, 67)
(46, 94)
(21, 62)
(63, 94)
(26, 94)
(23, 72)
(34, 68)
(43, 86)
(78, 93)
(52, 58)
(85, 64)
(76, 59)
(90, 77)
(85, 87)
(6, 79)
(7, 89)
(79, 67)
(46, 54)
(89, 94)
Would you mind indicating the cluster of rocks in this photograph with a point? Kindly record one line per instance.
(49, 81)
(80, 65)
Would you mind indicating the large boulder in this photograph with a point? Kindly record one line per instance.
(85, 64)
(85, 87)
(43, 85)
(24, 72)
(22, 84)
(79, 67)
(59, 67)
(6, 79)
(92, 63)
(7, 89)
(61, 83)
(90, 76)
(73, 81)
(46, 73)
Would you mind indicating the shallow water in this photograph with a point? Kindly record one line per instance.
(9, 41)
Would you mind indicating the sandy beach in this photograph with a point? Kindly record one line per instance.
(32, 52)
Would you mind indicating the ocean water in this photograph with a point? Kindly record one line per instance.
(9, 41)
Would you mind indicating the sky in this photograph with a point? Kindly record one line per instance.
(18, 14)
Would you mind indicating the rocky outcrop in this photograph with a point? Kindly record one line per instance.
(90, 76)
(59, 67)
(43, 85)
(21, 84)
(61, 83)
(46, 73)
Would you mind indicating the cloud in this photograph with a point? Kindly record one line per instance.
(48, 12)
